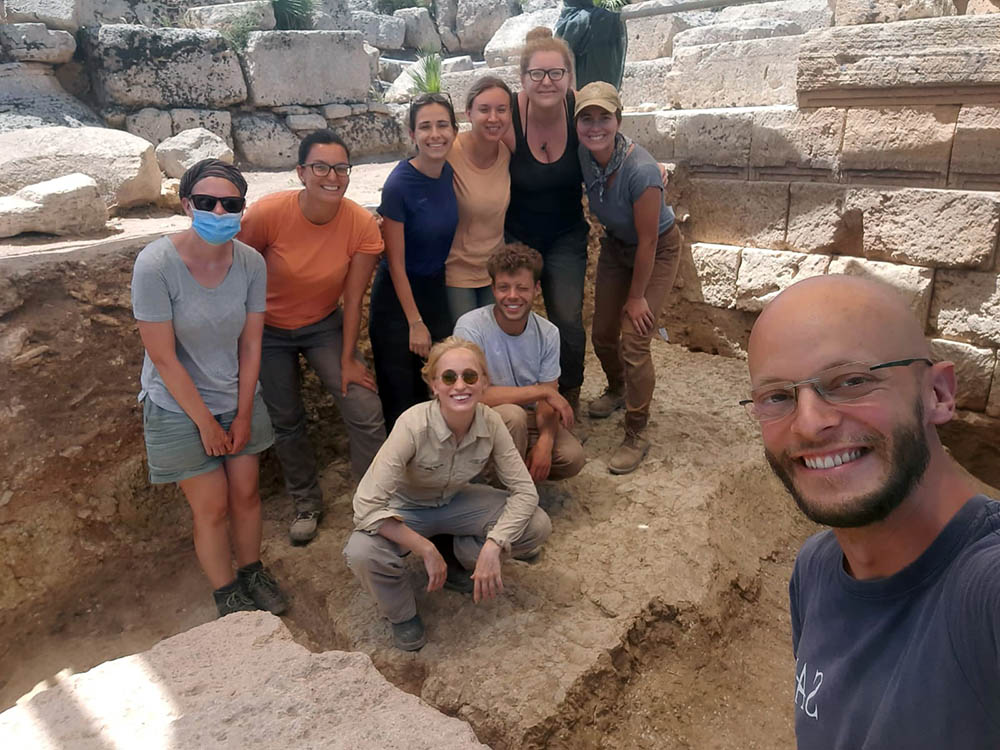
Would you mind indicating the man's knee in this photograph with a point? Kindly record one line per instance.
(635, 347)
(535, 534)
(366, 553)
(569, 459)
(516, 420)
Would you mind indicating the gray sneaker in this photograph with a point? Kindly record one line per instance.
(628, 455)
(459, 579)
(303, 528)
(232, 598)
(610, 401)
(261, 587)
(409, 635)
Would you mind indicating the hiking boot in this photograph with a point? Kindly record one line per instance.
(459, 579)
(629, 454)
(580, 428)
(409, 635)
(260, 586)
(610, 401)
(303, 528)
(232, 598)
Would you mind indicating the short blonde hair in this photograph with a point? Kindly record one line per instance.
(450, 344)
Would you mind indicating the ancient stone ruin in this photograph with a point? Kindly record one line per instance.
(804, 137)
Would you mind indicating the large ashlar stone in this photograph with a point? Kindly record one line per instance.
(850, 12)
(982, 7)
(294, 67)
(708, 274)
(149, 123)
(966, 306)
(911, 144)
(808, 14)
(975, 155)
(764, 273)
(936, 228)
(714, 140)
(650, 38)
(973, 369)
(913, 283)
(123, 165)
(178, 154)
(136, 66)
(504, 48)
(384, 32)
(930, 61)
(420, 34)
(259, 14)
(736, 212)
(476, 21)
(32, 42)
(791, 141)
(654, 131)
(373, 133)
(457, 85)
(241, 681)
(736, 31)
(648, 83)
(219, 121)
(31, 97)
(457, 64)
(55, 14)
(69, 205)
(264, 141)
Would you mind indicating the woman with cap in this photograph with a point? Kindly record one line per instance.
(199, 299)
(639, 256)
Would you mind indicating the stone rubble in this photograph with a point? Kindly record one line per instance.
(179, 153)
(70, 205)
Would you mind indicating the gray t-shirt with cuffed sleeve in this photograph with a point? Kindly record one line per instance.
(207, 322)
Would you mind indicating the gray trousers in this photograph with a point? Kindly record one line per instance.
(361, 410)
(378, 562)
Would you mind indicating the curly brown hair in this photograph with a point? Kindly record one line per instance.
(512, 257)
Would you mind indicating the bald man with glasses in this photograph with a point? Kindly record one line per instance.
(896, 609)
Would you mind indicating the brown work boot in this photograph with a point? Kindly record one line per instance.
(629, 454)
(610, 401)
(580, 429)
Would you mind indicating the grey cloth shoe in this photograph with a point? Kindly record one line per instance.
(459, 579)
(261, 587)
(303, 528)
(629, 454)
(232, 598)
(409, 635)
(610, 401)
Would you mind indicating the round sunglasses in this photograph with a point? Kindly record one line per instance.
(230, 205)
(450, 377)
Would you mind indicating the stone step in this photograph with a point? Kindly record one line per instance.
(259, 14)
(31, 97)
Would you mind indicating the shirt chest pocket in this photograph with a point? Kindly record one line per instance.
(429, 467)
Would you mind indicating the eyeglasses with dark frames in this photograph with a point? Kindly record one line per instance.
(450, 377)
(230, 204)
(322, 169)
(554, 74)
(835, 385)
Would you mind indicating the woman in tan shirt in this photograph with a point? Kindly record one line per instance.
(420, 485)
(480, 160)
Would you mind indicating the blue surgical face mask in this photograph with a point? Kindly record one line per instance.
(214, 228)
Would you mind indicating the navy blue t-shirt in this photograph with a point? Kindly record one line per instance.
(911, 661)
(428, 210)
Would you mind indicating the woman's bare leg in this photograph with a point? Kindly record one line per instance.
(243, 473)
(207, 495)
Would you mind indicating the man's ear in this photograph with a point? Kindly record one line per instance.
(940, 404)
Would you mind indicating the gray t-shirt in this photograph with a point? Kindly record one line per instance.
(527, 359)
(207, 322)
(637, 173)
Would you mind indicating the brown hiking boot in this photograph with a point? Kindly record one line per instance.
(580, 428)
(629, 454)
(610, 401)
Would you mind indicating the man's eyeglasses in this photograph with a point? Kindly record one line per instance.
(231, 205)
(554, 74)
(836, 385)
(450, 377)
(322, 169)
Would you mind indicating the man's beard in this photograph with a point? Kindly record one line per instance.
(910, 456)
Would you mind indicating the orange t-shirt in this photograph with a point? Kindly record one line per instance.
(306, 263)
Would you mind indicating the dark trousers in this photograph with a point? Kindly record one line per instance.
(397, 369)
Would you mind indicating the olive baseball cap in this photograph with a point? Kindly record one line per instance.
(597, 94)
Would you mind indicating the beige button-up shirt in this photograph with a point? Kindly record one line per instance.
(420, 465)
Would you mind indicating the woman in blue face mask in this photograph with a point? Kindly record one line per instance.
(199, 299)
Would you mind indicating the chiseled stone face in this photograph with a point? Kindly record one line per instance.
(32, 42)
(736, 212)
(181, 152)
(264, 141)
(67, 205)
(973, 369)
(850, 12)
(765, 273)
(966, 306)
(900, 140)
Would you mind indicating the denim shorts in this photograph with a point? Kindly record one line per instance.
(173, 441)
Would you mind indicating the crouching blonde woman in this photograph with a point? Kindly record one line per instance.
(420, 485)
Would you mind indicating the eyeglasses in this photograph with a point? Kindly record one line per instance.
(450, 377)
(230, 205)
(554, 74)
(836, 385)
(322, 169)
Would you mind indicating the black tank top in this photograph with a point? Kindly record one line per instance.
(545, 199)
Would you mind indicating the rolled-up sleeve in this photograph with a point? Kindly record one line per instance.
(512, 472)
(382, 480)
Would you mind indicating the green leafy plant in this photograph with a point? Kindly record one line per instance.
(237, 31)
(614, 5)
(291, 15)
(427, 74)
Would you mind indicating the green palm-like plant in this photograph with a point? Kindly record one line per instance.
(290, 15)
(614, 5)
(427, 73)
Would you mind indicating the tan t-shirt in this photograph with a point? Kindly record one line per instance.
(483, 195)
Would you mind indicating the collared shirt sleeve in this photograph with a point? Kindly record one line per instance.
(384, 475)
(523, 498)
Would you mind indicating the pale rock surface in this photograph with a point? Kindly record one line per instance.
(152, 124)
(913, 283)
(504, 47)
(389, 69)
(421, 34)
(457, 85)
(69, 205)
(808, 14)
(170, 197)
(374, 133)
(708, 274)
(850, 12)
(457, 64)
(241, 681)
(654, 131)
(975, 155)
(736, 212)
(31, 97)
(993, 405)
(653, 37)
(151, 13)
(292, 109)
(55, 14)
(307, 123)
(973, 369)
(123, 165)
(714, 138)
(136, 66)
(220, 17)
(476, 21)
(445, 15)
(900, 139)
(335, 111)
(384, 32)
(982, 7)
(650, 82)
(32, 42)
(179, 153)
(791, 141)
(293, 67)
(764, 273)
(219, 121)
(374, 55)
(966, 306)
(736, 31)
(263, 140)
(530, 6)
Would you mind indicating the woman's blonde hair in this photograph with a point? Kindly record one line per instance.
(450, 344)
(540, 39)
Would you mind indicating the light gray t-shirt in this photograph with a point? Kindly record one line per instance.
(637, 173)
(207, 322)
(527, 359)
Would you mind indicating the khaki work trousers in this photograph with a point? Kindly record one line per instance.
(567, 453)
